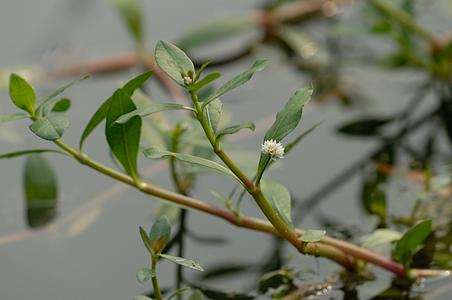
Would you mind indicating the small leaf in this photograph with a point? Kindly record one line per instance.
(129, 88)
(21, 93)
(237, 81)
(13, 117)
(50, 128)
(157, 153)
(379, 237)
(146, 241)
(213, 113)
(50, 101)
(364, 127)
(62, 105)
(41, 191)
(123, 139)
(299, 138)
(178, 292)
(214, 31)
(312, 236)
(205, 81)
(27, 152)
(131, 13)
(160, 234)
(173, 61)
(235, 128)
(409, 244)
(144, 275)
(151, 109)
(183, 262)
(279, 198)
(196, 295)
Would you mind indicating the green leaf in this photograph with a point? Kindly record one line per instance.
(50, 101)
(235, 128)
(183, 262)
(146, 241)
(196, 295)
(215, 31)
(50, 128)
(62, 105)
(123, 139)
(131, 13)
(151, 109)
(299, 138)
(145, 274)
(153, 153)
(379, 237)
(370, 126)
(41, 191)
(288, 118)
(312, 236)
(237, 81)
(279, 198)
(174, 62)
(213, 113)
(205, 81)
(286, 121)
(22, 93)
(13, 117)
(129, 88)
(27, 152)
(409, 244)
(160, 234)
(178, 292)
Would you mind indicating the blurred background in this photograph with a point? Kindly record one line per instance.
(380, 158)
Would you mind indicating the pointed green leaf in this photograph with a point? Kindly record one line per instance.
(312, 236)
(145, 274)
(279, 198)
(101, 112)
(183, 262)
(178, 292)
(213, 113)
(30, 151)
(146, 240)
(22, 93)
(237, 81)
(288, 118)
(153, 153)
(299, 138)
(173, 61)
(41, 192)
(49, 102)
(409, 244)
(235, 128)
(214, 31)
(12, 117)
(123, 139)
(131, 13)
(160, 234)
(151, 109)
(50, 128)
(62, 105)
(205, 81)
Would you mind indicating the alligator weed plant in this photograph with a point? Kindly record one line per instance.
(124, 116)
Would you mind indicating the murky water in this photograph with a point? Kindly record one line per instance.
(93, 249)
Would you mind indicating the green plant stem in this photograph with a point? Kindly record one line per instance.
(155, 282)
(341, 252)
(404, 19)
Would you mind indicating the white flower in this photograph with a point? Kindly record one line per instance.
(273, 148)
(188, 80)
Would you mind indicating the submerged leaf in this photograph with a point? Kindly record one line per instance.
(41, 191)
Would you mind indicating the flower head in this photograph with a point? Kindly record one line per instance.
(273, 148)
